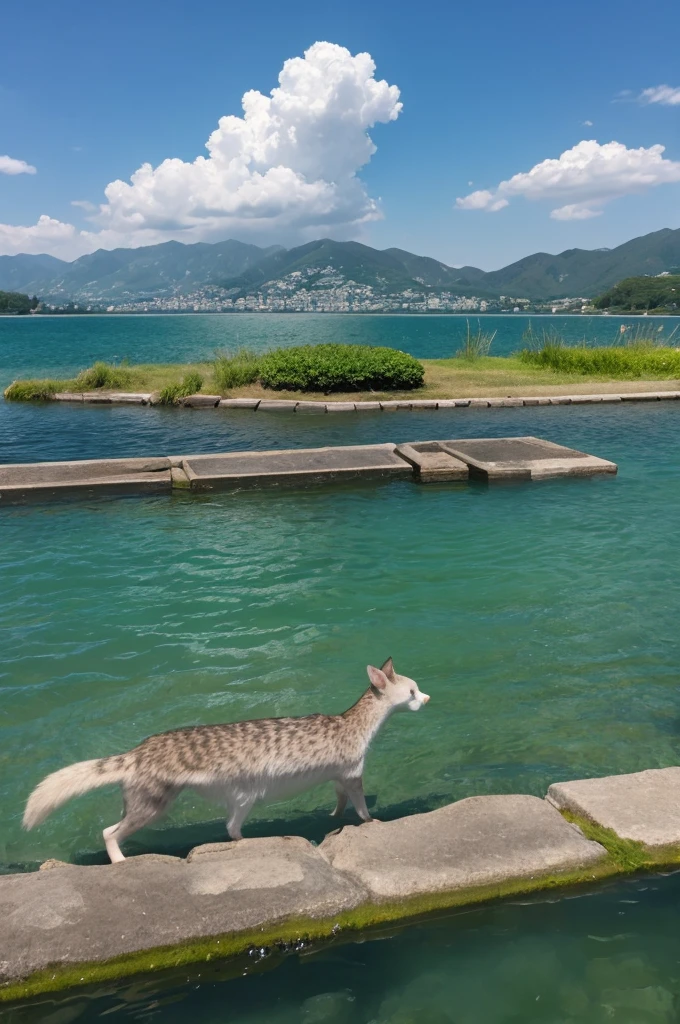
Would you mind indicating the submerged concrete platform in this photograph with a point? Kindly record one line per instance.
(299, 465)
(522, 458)
(44, 481)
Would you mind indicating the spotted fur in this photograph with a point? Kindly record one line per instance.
(237, 764)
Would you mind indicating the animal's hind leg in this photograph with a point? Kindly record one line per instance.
(143, 804)
(342, 801)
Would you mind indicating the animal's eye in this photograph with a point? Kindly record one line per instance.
(413, 693)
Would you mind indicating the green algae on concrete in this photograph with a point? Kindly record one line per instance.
(228, 898)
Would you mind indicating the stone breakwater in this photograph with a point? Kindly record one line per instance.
(505, 458)
(200, 401)
(69, 925)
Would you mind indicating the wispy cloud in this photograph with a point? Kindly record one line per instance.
(8, 165)
(666, 95)
(585, 178)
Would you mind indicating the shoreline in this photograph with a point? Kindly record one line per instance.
(446, 379)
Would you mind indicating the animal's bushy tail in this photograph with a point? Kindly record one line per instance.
(60, 786)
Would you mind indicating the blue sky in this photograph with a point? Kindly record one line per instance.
(91, 92)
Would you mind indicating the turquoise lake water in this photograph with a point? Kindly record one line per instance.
(542, 619)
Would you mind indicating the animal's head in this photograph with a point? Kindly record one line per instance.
(402, 693)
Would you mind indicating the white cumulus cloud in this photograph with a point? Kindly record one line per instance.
(288, 166)
(664, 94)
(584, 178)
(8, 165)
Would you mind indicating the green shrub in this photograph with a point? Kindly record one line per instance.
(340, 368)
(172, 394)
(233, 371)
(632, 361)
(102, 375)
(33, 390)
(477, 343)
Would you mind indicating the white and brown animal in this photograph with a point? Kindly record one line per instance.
(238, 764)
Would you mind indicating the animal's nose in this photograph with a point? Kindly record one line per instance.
(425, 697)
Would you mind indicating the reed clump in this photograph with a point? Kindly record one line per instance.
(477, 343)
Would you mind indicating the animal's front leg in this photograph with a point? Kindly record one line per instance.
(342, 801)
(354, 789)
(239, 812)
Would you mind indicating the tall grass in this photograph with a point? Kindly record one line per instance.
(644, 352)
(477, 343)
(172, 394)
(33, 390)
(235, 370)
(102, 375)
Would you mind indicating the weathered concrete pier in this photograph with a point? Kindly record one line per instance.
(505, 458)
(69, 925)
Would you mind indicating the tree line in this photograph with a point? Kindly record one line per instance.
(642, 294)
(16, 302)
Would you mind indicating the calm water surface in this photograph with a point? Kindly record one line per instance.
(541, 618)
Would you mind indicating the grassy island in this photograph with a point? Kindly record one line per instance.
(546, 366)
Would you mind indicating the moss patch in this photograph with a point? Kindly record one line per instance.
(626, 855)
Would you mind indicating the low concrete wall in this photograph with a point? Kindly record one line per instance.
(284, 405)
(71, 925)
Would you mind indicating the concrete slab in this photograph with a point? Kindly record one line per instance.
(644, 806)
(239, 403)
(89, 915)
(89, 477)
(431, 464)
(311, 407)
(505, 403)
(201, 401)
(96, 398)
(367, 406)
(294, 466)
(424, 403)
(340, 407)
(274, 405)
(68, 396)
(481, 841)
(127, 398)
(523, 458)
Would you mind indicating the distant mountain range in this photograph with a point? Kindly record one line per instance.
(237, 269)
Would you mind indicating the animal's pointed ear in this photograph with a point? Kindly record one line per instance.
(377, 677)
(388, 669)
